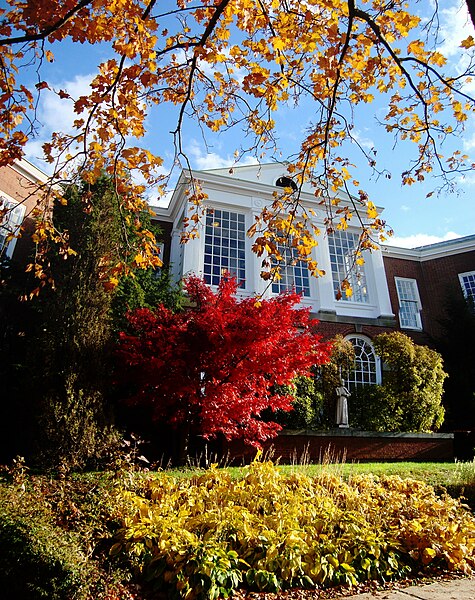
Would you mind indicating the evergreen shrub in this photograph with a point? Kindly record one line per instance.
(39, 559)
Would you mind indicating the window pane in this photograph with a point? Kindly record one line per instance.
(225, 236)
(11, 221)
(468, 284)
(365, 369)
(343, 246)
(293, 272)
(409, 307)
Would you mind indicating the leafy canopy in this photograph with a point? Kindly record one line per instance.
(214, 367)
(225, 63)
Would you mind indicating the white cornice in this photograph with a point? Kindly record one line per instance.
(224, 182)
(432, 251)
(29, 171)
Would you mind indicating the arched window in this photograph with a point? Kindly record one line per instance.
(367, 364)
(286, 182)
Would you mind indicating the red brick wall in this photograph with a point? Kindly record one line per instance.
(21, 189)
(18, 187)
(329, 329)
(436, 278)
(290, 448)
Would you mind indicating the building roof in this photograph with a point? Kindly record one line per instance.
(432, 251)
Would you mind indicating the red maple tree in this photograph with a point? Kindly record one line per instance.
(214, 367)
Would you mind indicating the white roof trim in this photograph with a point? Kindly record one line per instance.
(219, 179)
(29, 171)
(432, 251)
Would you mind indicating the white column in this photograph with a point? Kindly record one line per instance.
(176, 256)
(380, 291)
(193, 253)
(326, 294)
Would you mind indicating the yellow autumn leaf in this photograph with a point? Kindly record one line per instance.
(467, 42)
(371, 210)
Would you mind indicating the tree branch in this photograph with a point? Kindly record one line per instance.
(49, 30)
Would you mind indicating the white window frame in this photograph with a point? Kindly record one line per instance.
(345, 266)
(375, 378)
(291, 269)
(241, 246)
(466, 292)
(415, 302)
(10, 224)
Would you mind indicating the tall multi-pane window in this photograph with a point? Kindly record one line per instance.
(409, 303)
(293, 273)
(467, 281)
(366, 368)
(343, 246)
(225, 239)
(10, 224)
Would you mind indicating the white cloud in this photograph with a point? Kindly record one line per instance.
(202, 159)
(455, 26)
(420, 239)
(405, 208)
(466, 179)
(469, 142)
(363, 141)
(56, 114)
(34, 153)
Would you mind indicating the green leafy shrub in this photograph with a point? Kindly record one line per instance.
(55, 534)
(410, 397)
(375, 408)
(315, 399)
(39, 559)
(307, 405)
(203, 537)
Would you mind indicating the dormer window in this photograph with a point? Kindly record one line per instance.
(286, 182)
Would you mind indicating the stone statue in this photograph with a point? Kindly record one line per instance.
(342, 405)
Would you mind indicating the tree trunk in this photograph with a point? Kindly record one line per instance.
(183, 443)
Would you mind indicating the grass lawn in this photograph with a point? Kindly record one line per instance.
(434, 473)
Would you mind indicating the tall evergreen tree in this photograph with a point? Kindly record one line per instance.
(56, 349)
(74, 346)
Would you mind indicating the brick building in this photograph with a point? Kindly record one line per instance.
(396, 288)
(18, 196)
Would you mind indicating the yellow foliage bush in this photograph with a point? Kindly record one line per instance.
(206, 536)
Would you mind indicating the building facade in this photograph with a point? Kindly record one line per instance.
(19, 184)
(395, 289)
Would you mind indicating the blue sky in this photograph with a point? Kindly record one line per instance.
(415, 219)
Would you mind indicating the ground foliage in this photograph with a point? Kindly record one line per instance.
(208, 535)
(232, 63)
(58, 533)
